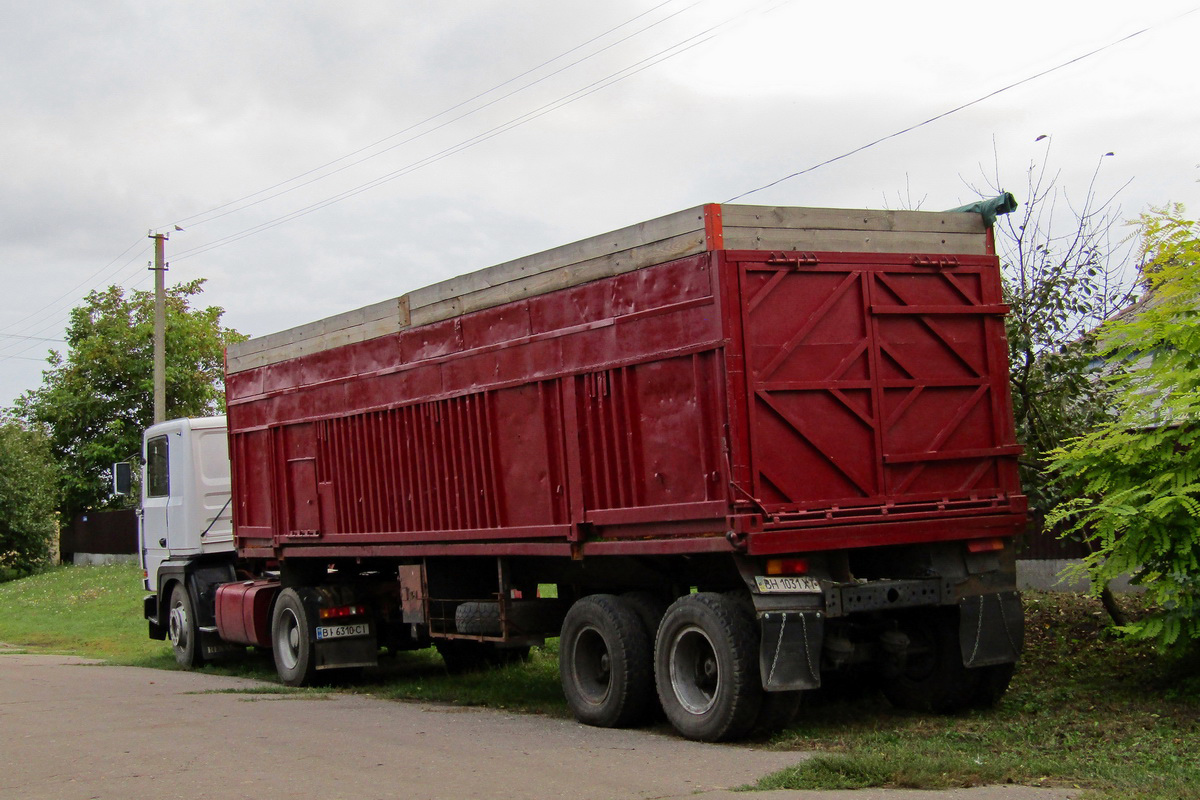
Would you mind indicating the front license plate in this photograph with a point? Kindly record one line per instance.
(768, 584)
(342, 631)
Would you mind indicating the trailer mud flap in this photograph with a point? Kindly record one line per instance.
(790, 654)
(347, 653)
(991, 629)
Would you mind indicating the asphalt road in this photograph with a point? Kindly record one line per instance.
(76, 731)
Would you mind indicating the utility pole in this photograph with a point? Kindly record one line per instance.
(160, 327)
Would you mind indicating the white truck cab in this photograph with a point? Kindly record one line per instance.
(186, 509)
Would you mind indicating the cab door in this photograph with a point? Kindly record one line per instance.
(156, 497)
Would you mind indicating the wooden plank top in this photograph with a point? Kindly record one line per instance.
(684, 233)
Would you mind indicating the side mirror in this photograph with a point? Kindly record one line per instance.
(122, 477)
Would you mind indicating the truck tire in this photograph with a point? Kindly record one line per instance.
(649, 607)
(706, 668)
(933, 677)
(183, 630)
(605, 662)
(778, 708)
(478, 618)
(292, 640)
(482, 618)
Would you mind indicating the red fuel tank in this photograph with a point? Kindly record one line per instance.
(244, 611)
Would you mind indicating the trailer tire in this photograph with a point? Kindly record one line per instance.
(606, 662)
(292, 640)
(778, 708)
(649, 608)
(706, 668)
(183, 629)
(933, 677)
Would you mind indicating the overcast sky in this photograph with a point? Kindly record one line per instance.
(453, 136)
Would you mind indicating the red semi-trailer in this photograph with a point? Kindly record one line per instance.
(748, 447)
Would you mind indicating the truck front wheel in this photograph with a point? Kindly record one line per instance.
(605, 662)
(292, 640)
(183, 630)
(706, 668)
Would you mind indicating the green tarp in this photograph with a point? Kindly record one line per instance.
(990, 209)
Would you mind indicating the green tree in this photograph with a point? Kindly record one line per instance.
(95, 401)
(28, 497)
(1140, 472)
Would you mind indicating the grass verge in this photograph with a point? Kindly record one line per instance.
(95, 611)
(87, 611)
(1085, 709)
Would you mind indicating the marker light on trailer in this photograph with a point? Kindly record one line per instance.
(787, 566)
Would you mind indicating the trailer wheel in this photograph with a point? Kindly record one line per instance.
(292, 640)
(605, 662)
(778, 708)
(933, 677)
(183, 630)
(649, 607)
(706, 668)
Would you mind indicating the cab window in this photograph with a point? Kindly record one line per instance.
(158, 475)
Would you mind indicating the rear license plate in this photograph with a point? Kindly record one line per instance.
(343, 631)
(769, 584)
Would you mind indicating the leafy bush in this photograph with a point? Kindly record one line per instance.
(28, 496)
(1140, 472)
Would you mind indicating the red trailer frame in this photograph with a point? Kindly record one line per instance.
(736, 400)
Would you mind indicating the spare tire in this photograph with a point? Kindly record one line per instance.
(533, 617)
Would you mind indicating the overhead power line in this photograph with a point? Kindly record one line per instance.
(34, 338)
(663, 55)
(241, 202)
(51, 315)
(31, 334)
(73, 289)
(956, 109)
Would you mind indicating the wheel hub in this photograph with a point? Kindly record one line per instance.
(177, 626)
(593, 672)
(695, 672)
(287, 639)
